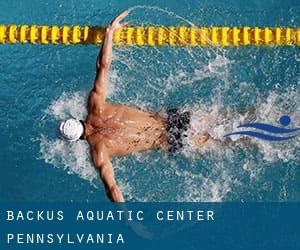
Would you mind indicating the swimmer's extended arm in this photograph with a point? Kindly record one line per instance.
(105, 56)
(103, 164)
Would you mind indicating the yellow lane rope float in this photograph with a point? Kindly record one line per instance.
(152, 36)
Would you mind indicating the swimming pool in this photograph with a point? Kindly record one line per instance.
(42, 84)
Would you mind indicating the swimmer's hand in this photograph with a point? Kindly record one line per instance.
(115, 24)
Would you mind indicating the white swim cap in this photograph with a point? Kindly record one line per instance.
(70, 130)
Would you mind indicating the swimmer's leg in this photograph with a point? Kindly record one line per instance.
(200, 140)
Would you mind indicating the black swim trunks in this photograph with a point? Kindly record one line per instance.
(177, 125)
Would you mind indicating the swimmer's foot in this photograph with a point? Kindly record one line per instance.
(200, 140)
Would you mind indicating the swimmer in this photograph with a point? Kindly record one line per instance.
(114, 130)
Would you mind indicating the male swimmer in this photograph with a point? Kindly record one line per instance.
(117, 130)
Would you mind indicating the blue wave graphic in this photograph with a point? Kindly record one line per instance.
(262, 136)
(269, 128)
(284, 121)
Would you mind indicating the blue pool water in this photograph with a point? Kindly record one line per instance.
(42, 84)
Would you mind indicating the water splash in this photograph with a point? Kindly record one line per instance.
(211, 84)
(192, 185)
(74, 158)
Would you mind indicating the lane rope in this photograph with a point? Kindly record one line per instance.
(152, 35)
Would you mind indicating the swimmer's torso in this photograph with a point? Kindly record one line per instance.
(124, 130)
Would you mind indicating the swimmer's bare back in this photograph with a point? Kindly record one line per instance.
(113, 129)
(124, 130)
